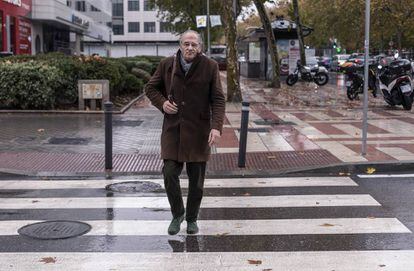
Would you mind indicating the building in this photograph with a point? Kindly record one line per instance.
(62, 25)
(137, 30)
(15, 27)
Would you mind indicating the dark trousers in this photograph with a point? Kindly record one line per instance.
(196, 173)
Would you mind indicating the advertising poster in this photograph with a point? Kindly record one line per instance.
(294, 54)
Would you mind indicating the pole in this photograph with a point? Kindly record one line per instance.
(243, 134)
(208, 28)
(108, 136)
(366, 68)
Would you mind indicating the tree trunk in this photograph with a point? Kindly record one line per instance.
(299, 31)
(271, 42)
(233, 84)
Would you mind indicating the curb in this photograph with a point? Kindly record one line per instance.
(341, 169)
(122, 111)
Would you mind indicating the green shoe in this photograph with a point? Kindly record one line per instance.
(192, 227)
(174, 227)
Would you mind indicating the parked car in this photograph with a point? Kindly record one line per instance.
(219, 54)
(312, 61)
(337, 61)
(325, 61)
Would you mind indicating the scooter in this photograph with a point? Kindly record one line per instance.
(354, 81)
(317, 74)
(395, 82)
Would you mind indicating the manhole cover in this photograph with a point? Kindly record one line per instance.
(58, 229)
(127, 123)
(134, 187)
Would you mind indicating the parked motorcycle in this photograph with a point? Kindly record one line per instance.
(354, 80)
(317, 74)
(395, 82)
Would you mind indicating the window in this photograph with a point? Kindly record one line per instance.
(133, 27)
(133, 5)
(118, 9)
(165, 27)
(95, 9)
(80, 6)
(149, 27)
(148, 5)
(69, 3)
(118, 26)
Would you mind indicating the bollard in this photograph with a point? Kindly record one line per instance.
(108, 135)
(243, 134)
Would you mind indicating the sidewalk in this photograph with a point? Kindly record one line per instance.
(290, 129)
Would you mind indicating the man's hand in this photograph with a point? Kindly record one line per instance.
(170, 108)
(214, 137)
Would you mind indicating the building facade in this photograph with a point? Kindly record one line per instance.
(15, 27)
(63, 25)
(137, 30)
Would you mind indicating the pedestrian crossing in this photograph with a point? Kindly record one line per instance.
(294, 223)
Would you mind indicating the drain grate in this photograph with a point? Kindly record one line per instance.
(273, 122)
(127, 123)
(257, 130)
(135, 187)
(69, 141)
(58, 229)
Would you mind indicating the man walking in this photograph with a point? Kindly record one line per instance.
(187, 89)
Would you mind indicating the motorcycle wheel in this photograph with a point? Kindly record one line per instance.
(291, 79)
(407, 102)
(321, 78)
(351, 93)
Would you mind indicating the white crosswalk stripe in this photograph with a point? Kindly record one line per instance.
(236, 236)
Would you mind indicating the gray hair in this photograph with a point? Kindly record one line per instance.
(189, 31)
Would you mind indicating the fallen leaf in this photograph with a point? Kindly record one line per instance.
(223, 234)
(48, 260)
(317, 203)
(40, 130)
(370, 170)
(341, 173)
(254, 261)
(34, 201)
(382, 265)
(327, 225)
(267, 269)
(371, 217)
(271, 157)
(246, 194)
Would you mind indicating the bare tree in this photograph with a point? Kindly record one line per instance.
(271, 42)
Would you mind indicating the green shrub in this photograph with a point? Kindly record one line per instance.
(28, 85)
(145, 76)
(144, 65)
(133, 84)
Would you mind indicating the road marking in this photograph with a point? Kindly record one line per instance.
(208, 202)
(386, 176)
(209, 183)
(236, 227)
(390, 260)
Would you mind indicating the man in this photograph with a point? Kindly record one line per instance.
(187, 89)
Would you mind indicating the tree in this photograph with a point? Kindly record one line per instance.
(233, 84)
(271, 42)
(299, 31)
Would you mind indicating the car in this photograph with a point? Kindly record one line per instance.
(312, 61)
(325, 61)
(219, 54)
(337, 61)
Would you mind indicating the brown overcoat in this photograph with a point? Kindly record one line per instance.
(201, 107)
